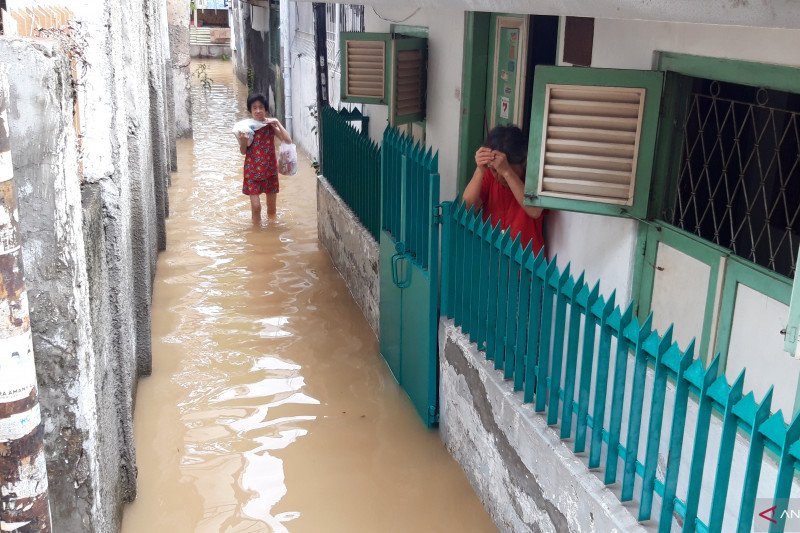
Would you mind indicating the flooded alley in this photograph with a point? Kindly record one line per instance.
(269, 407)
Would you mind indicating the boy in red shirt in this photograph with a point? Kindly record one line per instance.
(498, 186)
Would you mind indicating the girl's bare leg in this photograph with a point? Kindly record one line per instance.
(271, 204)
(255, 207)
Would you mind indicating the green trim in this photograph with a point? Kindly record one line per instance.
(643, 271)
(695, 248)
(740, 271)
(651, 81)
(779, 77)
(359, 36)
(410, 31)
(473, 92)
(669, 148)
(793, 327)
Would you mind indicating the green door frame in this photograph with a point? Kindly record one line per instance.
(473, 92)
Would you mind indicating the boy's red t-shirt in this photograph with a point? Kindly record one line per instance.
(499, 203)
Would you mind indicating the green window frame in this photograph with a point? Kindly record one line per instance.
(676, 68)
(650, 82)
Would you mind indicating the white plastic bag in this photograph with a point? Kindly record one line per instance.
(287, 159)
(248, 126)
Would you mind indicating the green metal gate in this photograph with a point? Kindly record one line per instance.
(409, 268)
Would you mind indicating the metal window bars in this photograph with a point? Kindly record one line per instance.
(739, 177)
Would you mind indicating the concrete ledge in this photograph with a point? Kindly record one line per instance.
(352, 249)
(210, 50)
(526, 477)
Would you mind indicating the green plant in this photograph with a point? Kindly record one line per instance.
(316, 167)
(201, 73)
(225, 57)
(314, 114)
(251, 82)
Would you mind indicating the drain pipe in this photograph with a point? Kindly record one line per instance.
(24, 504)
(287, 39)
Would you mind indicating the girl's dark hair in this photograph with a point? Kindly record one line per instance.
(257, 97)
(511, 141)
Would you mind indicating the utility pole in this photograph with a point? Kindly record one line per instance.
(24, 504)
(321, 46)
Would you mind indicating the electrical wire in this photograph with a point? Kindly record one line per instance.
(395, 21)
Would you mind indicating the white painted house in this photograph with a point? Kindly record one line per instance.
(691, 205)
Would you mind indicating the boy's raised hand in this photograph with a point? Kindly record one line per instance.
(483, 157)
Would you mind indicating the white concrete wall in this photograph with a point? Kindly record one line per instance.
(445, 56)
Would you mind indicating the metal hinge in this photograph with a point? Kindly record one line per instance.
(437, 213)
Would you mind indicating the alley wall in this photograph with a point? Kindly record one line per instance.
(93, 203)
(178, 27)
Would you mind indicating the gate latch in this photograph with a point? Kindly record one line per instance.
(437, 213)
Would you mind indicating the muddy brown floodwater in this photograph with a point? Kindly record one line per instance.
(269, 407)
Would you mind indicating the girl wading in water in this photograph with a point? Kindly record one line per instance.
(260, 162)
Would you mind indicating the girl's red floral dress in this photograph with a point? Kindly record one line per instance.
(261, 164)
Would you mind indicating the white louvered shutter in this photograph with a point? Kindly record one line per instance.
(365, 77)
(592, 144)
(408, 91)
(591, 139)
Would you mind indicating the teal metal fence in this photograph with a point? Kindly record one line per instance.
(568, 349)
(351, 163)
(402, 157)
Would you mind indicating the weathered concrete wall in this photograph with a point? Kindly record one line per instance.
(252, 54)
(178, 23)
(215, 51)
(91, 267)
(106, 364)
(353, 250)
(44, 152)
(526, 477)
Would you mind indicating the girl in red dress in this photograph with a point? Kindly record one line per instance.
(260, 162)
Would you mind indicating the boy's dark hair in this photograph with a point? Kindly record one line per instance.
(511, 141)
(257, 97)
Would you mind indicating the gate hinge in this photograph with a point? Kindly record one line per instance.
(437, 213)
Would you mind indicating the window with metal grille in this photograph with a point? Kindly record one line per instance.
(351, 17)
(330, 22)
(739, 177)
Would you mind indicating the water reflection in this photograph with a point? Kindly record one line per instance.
(269, 408)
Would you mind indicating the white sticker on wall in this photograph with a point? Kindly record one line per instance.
(21, 424)
(504, 105)
(17, 368)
